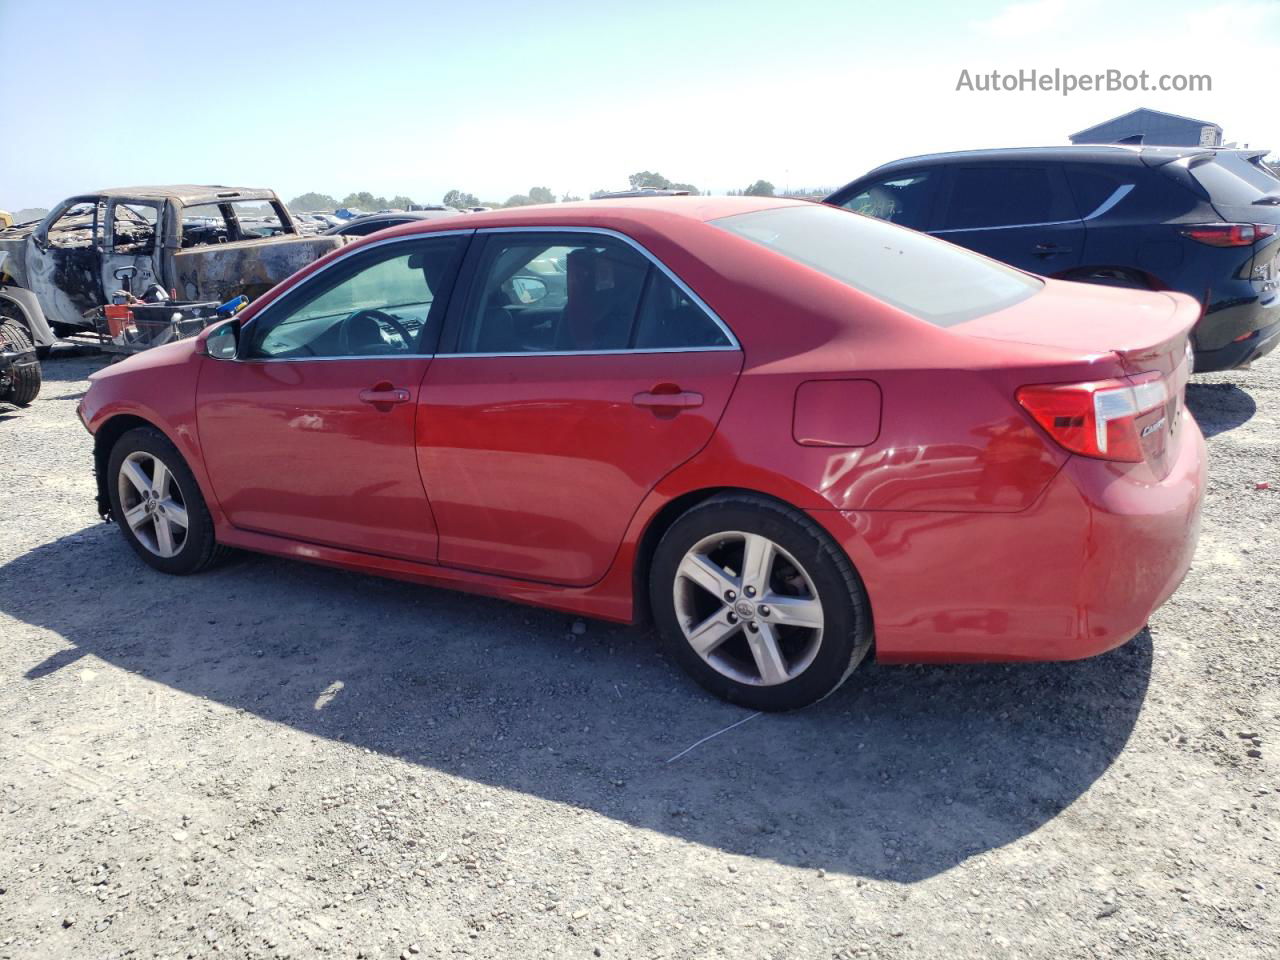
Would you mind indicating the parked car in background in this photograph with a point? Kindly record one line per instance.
(1197, 220)
(373, 222)
(318, 219)
(747, 417)
(198, 242)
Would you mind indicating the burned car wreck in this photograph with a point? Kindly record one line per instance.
(196, 243)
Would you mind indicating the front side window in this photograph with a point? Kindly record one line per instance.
(905, 199)
(382, 302)
(79, 226)
(996, 196)
(935, 281)
(577, 293)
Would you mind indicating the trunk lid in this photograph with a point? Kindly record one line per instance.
(1146, 332)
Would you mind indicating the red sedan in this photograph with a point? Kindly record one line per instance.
(784, 431)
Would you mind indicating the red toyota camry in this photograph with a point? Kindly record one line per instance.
(786, 432)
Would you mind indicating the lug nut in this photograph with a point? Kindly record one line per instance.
(730, 596)
(750, 591)
(753, 627)
(764, 610)
(732, 618)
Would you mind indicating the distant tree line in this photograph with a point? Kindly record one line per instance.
(462, 200)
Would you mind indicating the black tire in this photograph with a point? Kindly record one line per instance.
(846, 633)
(24, 379)
(198, 549)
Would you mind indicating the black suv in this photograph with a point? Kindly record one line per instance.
(1202, 221)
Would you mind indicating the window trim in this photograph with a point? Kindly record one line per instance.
(733, 345)
(355, 250)
(1120, 193)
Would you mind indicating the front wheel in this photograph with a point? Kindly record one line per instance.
(758, 603)
(158, 505)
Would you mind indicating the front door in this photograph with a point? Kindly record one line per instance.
(578, 373)
(63, 263)
(309, 433)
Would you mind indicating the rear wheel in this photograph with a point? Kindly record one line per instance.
(158, 505)
(758, 603)
(23, 379)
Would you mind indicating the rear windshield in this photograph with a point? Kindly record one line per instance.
(927, 278)
(1230, 178)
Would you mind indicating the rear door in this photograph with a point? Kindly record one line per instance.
(578, 373)
(1020, 213)
(132, 244)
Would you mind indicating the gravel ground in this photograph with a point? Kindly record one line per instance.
(277, 760)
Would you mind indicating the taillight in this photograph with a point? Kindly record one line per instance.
(1097, 419)
(1229, 234)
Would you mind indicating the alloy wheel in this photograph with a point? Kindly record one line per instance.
(152, 504)
(748, 608)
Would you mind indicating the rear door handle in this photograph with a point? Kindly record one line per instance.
(680, 400)
(384, 393)
(1049, 249)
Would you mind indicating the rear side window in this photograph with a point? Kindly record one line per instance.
(905, 199)
(997, 196)
(669, 319)
(1092, 188)
(577, 293)
(927, 278)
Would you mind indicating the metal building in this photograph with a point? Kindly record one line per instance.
(1154, 128)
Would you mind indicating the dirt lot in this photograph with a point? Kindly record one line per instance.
(277, 760)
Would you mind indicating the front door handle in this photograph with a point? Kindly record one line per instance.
(676, 400)
(384, 393)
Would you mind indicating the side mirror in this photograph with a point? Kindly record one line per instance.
(221, 342)
(528, 289)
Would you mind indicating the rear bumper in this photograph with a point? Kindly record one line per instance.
(1236, 354)
(1074, 575)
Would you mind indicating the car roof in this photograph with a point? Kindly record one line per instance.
(189, 194)
(1075, 152)
(617, 215)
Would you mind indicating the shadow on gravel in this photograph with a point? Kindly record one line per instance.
(902, 774)
(1219, 407)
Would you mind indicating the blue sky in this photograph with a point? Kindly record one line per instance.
(494, 97)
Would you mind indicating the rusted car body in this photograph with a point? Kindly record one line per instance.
(196, 242)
